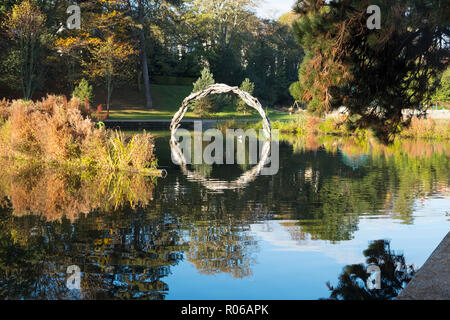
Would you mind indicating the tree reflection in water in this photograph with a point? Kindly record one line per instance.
(124, 247)
(395, 274)
(123, 255)
(52, 219)
(222, 247)
(56, 194)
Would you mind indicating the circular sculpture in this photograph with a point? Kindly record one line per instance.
(217, 89)
(177, 154)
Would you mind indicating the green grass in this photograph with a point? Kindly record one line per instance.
(167, 99)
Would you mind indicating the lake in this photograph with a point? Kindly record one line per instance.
(277, 237)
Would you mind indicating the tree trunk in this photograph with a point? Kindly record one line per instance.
(108, 91)
(139, 81)
(144, 65)
(143, 53)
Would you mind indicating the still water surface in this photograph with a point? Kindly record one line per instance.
(280, 237)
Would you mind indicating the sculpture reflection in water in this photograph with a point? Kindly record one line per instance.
(268, 148)
(354, 280)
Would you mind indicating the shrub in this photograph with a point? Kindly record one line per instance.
(442, 93)
(427, 128)
(206, 105)
(419, 128)
(129, 154)
(101, 115)
(312, 124)
(249, 87)
(4, 110)
(53, 129)
(83, 91)
(212, 103)
(328, 126)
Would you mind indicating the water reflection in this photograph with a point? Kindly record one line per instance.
(226, 247)
(202, 172)
(335, 193)
(394, 275)
(55, 194)
(130, 234)
(121, 257)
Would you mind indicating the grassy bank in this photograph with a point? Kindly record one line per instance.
(60, 133)
(167, 99)
(337, 126)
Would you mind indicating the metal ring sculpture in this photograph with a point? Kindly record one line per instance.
(177, 154)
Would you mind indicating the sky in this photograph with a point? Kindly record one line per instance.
(274, 8)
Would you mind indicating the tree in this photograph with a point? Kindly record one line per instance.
(101, 19)
(141, 13)
(83, 91)
(249, 87)
(25, 24)
(288, 19)
(272, 58)
(206, 105)
(108, 60)
(69, 50)
(374, 73)
(443, 92)
(223, 20)
(216, 248)
(220, 29)
(143, 53)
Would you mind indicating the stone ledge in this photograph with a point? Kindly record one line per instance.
(432, 281)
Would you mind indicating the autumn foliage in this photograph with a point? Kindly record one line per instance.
(427, 128)
(57, 131)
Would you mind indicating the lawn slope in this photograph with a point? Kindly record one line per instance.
(129, 104)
